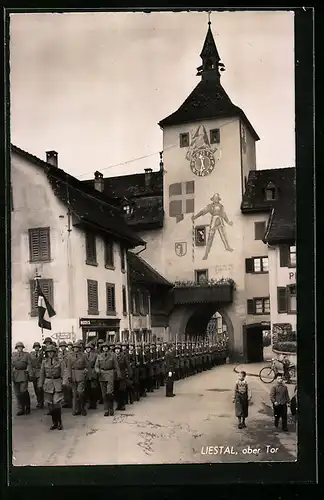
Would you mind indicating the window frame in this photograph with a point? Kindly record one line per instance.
(255, 231)
(290, 264)
(124, 300)
(215, 131)
(109, 243)
(273, 192)
(123, 264)
(184, 137)
(111, 286)
(93, 311)
(38, 231)
(89, 260)
(200, 228)
(254, 300)
(49, 295)
(289, 295)
(197, 271)
(135, 301)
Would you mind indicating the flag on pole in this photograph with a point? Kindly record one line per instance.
(45, 310)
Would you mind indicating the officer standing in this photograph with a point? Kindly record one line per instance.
(120, 382)
(91, 389)
(63, 354)
(51, 381)
(169, 364)
(21, 371)
(106, 365)
(77, 369)
(142, 371)
(36, 358)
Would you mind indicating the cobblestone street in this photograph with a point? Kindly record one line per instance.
(160, 430)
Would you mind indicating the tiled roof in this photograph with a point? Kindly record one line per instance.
(142, 272)
(146, 202)
(87, 204)
(282, 223)
(207, 101)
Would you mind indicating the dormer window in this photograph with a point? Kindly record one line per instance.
(128, 208)
(270, 192)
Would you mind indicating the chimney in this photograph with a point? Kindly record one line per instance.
(161, 162)
(51, 158)
(99, 182)
(148, 177)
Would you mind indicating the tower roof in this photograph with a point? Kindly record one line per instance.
(209, 49)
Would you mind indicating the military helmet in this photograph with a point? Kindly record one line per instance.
(100, 341)
(76, 344)
(19, 344)
(47, 339)
(104, 344)
(70, 342)
(36, 344)
(117, 346)
(90, 345)
(50, 348)
(62, 343)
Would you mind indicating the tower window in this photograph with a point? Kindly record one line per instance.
(215, 136)
(201, 276)
(270, 192)
(200, 236)
(184, 140)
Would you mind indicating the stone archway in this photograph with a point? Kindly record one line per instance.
(192, 320)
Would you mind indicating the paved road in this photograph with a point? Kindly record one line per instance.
(160, 430)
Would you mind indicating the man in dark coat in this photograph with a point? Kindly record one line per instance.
(120, 382)
(36, 358)
(280, 398)
(91, 389)
(21, 372)
(169, 365)
(77, 369)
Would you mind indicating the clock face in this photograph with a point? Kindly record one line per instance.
(202, 162)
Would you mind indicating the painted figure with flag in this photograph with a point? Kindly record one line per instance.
(45, 309)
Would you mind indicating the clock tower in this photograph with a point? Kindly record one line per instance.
(209, 149)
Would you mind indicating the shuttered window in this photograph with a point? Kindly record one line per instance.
(282, 299)
(135, 302)
(124, 299)
(215, 136)
(93, 307)
(184, 140)
(144, 302)
(259, 230)
(39, 244)
(258, 305)
(91, 249)
(122, 259)
(109, 254)
(111, 298)
(284, 255)
(48, 290)
(257, 265)
(291, 299)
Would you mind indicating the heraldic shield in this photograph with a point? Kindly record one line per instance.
(180, 248)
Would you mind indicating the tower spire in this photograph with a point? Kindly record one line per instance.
(211, 62)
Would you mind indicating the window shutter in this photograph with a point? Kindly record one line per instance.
(124, 298)
(111, 303)
(250, 306)
(282, 299)
(92, 297)
(91, 253)
(284, 255)
(39, 244)
(249, 265)
(122, 258)
(109, 253)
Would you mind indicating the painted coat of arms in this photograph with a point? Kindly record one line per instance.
(180, 248)
(200, 154)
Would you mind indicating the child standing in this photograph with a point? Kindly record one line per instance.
(280, 399)
(241, 399)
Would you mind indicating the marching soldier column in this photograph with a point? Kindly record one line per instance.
(74, 376)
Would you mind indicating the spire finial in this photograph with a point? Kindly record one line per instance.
(209, 22)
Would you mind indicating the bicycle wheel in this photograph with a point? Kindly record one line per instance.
(267, 375)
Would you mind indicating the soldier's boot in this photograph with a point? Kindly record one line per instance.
(162, 380)
(137, 392)
(131, 396)
(111, 411)
(157, 382)
(27, 403)
(82, 405)
(40, 398)
(106, 405)
(76, 405)
(53, 412)
(120, 401)
(59, 419)
(20, 405)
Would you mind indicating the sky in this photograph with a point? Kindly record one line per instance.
(93, 86)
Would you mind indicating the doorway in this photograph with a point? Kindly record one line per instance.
(253, 343)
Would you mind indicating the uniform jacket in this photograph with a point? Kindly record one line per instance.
(21, 366)
(279, 394)
(77, 366)
(169, 361)
(105, 366)
(123, 363)
(51, 375)
(91, 356)
(36, 359)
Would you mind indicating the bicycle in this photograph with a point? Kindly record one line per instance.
(268, 373)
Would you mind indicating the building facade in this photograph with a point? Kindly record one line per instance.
(77, 243)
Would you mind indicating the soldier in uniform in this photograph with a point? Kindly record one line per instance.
(63, 354)
(106, 365)
(36, 358)
(21, 371)
(70, 346)
(120, 382)
(47, 341)
(77, 369)
(132, 383)
(176, 361)
(51, 381)
(142, 371)
(169, 364)
(151, 368)
(91, 388)
(99, 344)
